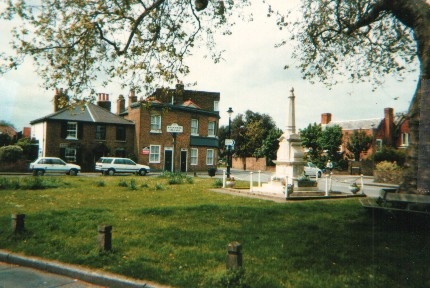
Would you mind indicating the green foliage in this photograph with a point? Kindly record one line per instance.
(217, 183)
(232, 279)
(5, 139)
(100, 183)
(156, 38)
(158, 187)
(29, 148)
(30, 183)
(11, 153)
(122, 183)
(310, 140)
(322, 144)
(255, 135)
(355, 40)
(390, 154)
(359, 142)
(132, 185)
(387, 166)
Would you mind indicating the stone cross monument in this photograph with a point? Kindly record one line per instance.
(290, 154)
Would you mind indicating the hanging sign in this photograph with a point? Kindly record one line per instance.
(175, 128)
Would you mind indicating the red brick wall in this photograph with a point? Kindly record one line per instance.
(144, 138)
(87, 143)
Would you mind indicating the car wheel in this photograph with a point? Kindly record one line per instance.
(73, 172)
(142, 172)
(111, 172)
(40, 172)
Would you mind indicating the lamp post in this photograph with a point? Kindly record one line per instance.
(373, 146)
(229, 111)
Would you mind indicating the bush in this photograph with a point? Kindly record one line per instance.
(217, 183)
(391, 155)
(11, 153)
(387, 166)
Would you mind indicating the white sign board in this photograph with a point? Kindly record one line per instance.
(175, 128)
(229, 142)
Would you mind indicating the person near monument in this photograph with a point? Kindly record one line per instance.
(329, 166)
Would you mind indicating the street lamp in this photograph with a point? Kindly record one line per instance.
(373, 146)
(230, 112)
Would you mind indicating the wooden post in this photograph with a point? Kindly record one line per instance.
(105, 237)
(234, 255)
(18, 223)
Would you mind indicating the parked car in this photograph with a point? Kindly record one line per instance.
(53, 165)
(311, 170)
(112, 165)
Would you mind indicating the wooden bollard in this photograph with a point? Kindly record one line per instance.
(234, 255)
(105, 237)
(18, 223)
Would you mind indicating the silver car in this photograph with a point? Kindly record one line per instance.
(53, 165)
(112, 165)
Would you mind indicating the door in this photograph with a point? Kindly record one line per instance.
(168, 154)
(183, 161)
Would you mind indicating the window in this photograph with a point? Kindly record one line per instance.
(101, 132)
(154, 154)
(210, 157)
(378, 143)
(72, 130)
(216, 105)
(70, 154)
(155, 123)
(120, 133)
(194, 156)
(211, 129)
(194, 127)
(405, 139)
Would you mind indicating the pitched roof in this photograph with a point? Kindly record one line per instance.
(87, 112)
(364, 124)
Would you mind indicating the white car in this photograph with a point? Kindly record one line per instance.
(112, 165)
(53, 165)
(312, 170)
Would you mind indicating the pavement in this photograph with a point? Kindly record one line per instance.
(19, 271)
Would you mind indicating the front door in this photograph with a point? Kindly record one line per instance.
(183, 161)
(168, 154)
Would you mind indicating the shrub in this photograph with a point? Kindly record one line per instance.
(133, 185)
(391, 155)
(387, 166)
(217, 183)
(100, 183)
(122, 183)
(158, 187)
(11, 153)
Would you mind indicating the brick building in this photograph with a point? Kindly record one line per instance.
(195, 148)
(390, 130)
(81, 133)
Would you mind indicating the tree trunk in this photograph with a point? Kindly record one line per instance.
(414, 14)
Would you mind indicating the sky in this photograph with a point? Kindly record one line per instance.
(251, 77)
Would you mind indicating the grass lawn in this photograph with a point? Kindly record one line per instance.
(177, 234)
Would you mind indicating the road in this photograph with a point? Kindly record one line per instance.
(339, 183)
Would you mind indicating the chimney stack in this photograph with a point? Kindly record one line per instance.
(179, 93)
(120, 105)
(60, 99)
(132, 98)
(388, 125)
(325, 118)
(103, 101)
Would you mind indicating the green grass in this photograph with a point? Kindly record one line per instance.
(176, 232)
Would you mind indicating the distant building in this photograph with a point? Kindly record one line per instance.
(81, 133)
(390, 130)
